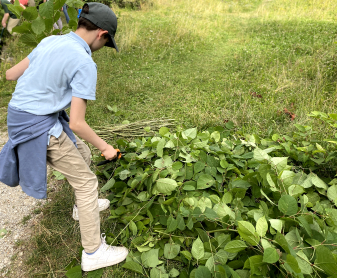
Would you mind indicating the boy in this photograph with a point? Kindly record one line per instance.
(57, 74)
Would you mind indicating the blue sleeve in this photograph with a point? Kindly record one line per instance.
(84, 82)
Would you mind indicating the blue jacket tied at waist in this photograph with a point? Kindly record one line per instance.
(23, 160)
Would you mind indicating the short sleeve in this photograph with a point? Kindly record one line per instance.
(84, 82)
(4, 6)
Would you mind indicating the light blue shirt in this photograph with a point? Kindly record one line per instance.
(60, 67)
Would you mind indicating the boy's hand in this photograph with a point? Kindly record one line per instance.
(109, 152)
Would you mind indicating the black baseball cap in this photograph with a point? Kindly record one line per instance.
(103, 17)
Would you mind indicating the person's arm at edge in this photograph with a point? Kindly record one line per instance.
(4, 20)
(15, 72)
(78, 125)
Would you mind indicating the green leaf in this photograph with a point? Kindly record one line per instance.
(187, 255)
(221, 256)
(75, 272)
(199, 166)
(203, 272)
(224, 164)
(98, 273)
(108, 185)
(73, 16)
(210, 214)
(171, 250)
(277, 224)
(189, 133)
(326, 261)
(270, 255)
(131, 265)
(38, 26)
(133, 228)
(279, 163)
(262, 226)
(172, 224)
(165, 186)
(205, 181)
(292, 262)
(288, 205)
(248, 233)
(160, 147)
(235, 246)
(29, 39)
(332, 193)
(158, 272)
(174, 272)
(319, 183)
(150, 258)
(46, 10)
(30, 13)
(198, 250)
(260, 155)
(180, 223)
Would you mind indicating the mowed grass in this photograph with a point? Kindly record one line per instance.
(201, 62)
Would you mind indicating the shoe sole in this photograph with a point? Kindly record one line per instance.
(98, 266)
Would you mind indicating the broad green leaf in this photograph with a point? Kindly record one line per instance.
(216, 136)
(270, 255)
(160, 147)
(29, 39)
(210, 264)
(205, 181)
(295, 190)
(235, 246)
(279, 163)
(203, 272)
(133, 228)
(198, 250)
(222, 210)
(150, 258)
(332, 193)
(224, 164)
(131, 265)
(277, 224)
(292, 262)
(165, 186)
(260, 155)
(180, 222)
(46, 9)
(187, 255)
(204, 203)
(95, 273)
(108, 185)
(262, 226)
(75, 272)
(319, 183)
(199, 166)
(227, 198)
(30, 13)
(221, 256)
(174, 273)
(38, 26)
(158, 272)
(304, 263)
(288, 205)
(326, 260)
(171, 250)
(248, 233)
(172, 224)
(210, 214)
(189, 133)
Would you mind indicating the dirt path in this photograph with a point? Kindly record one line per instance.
(18, 212)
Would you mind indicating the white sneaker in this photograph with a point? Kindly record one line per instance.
(105, 255)
(103, 204)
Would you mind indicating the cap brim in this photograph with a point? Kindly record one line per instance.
(112, 43)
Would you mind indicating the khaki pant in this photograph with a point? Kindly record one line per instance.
(12, 22)
(73, 163)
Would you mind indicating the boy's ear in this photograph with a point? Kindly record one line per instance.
(102, 33)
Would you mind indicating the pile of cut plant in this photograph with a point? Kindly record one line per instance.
(218, 203)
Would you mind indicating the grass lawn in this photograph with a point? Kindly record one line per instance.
(201, 62)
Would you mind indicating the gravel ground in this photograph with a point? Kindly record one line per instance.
(16, 217)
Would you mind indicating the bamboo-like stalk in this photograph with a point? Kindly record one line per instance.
(135, 129)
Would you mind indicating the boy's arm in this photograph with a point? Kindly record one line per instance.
(4, 20)
(78, 124)
(15, 72)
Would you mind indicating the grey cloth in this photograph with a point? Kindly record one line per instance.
(23, 160)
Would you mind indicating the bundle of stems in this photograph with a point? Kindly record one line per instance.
(136, 129)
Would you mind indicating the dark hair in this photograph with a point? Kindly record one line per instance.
(85, 23)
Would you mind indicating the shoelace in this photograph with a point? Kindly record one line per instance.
(104, 244)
